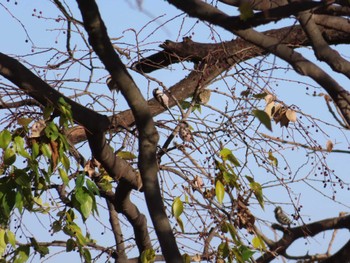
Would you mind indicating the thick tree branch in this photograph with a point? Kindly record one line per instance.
(227, 54)
(39, 90)
(148, 136)
(118, 234)
(138, 221)
(312, 229)
(322, 50)
(207, 12)
(116, 167)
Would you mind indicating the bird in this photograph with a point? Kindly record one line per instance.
(162, 99)
(185, 132)
(111, 84)
(281, 217)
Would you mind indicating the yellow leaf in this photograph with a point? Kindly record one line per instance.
(219, 191)
(258, 243)
(177, 207)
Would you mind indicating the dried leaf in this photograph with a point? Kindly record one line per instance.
(196, 258)
(198, 181)
(327, 98)
(284, 121)
(291, 115)
(268, 109)
(269, 98)
(329, 146)
(90, 169)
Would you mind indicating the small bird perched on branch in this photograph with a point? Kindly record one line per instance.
(186, 134)
(162, 99)
(281, 217)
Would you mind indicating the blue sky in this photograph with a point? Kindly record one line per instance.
(127, 22)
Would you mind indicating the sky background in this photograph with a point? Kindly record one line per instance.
(28, 26)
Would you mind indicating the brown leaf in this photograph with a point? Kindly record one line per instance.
(269, 98)
(284, 121)
(329, 146)
(291, 115)
(198, 181)
(90, 168)
(269, 108)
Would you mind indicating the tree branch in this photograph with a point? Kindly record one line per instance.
(39, 90)
(207, 12)
(148, 136)
(292, 234)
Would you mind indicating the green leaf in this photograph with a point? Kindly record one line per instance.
(181, 224)
(224, 249)
(233, 233)
(86, 255)
(126, 155)
(46, 150)
(64, 176)
(65, 161)
(22, 254)
(257, 190)
(19, 143)
(42, 250)
(148, 256)
(231, 179)
(227, 154)
(246, 253)
(22, 178)
(35, 150)
(19, 201)
(92, 187)
(8, 202)
(79, 182)
(197, 107)
(105, 183)
(24, 121)
(5, 139)
(51, 131)
(264, 118)
(9, 156)
(70, 245)
(10, 238)
(47, 112)
(74, 231)
(185, 104)
(85, 200)
(2, 241)
(56, 227)
(177, 207)
(219, 191)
